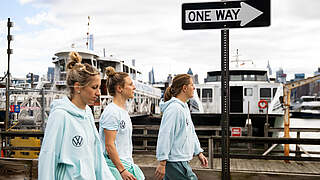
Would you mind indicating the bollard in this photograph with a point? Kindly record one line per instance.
(266, 130)
(145, 141)
(210, 154)
(298, 153)
(249, 129)
(28, 172)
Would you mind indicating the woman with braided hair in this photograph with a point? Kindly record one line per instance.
(71, 148)
(115, 127)
(177, 140)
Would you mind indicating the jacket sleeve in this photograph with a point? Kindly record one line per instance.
(197, 147)
(51, 145)
(166, 134)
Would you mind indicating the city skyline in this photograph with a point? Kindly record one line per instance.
(151, 33)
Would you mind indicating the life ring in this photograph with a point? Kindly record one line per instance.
(262, 104)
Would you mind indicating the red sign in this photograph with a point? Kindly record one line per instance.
(236, 131)
(11, 108)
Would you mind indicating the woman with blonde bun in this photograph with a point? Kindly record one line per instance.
(177, 140)
(115, 127)
(71, 148)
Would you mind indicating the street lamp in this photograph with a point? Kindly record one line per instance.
(9, 51)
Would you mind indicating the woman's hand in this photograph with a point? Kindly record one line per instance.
(160, 171)
(126, 175)
(203, 160)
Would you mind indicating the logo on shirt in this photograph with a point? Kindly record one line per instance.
(122, 124)
(77, 141)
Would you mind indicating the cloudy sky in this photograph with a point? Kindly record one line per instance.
(150, 32)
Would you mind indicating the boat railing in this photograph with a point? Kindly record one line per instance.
(30, 107)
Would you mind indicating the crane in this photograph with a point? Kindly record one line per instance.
(286, 98)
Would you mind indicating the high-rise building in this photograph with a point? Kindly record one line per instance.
(299, 76)
(196, 79)
(302, 90)
(190, 72)
(32, 78)
(269, 68)
(91, 42)
(151, 77)
(169, 79)
(281, 77)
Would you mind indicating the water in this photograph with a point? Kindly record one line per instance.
(304, 123)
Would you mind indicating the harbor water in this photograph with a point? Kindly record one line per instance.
(304, 123)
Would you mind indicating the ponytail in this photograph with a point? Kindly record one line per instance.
(176, 86)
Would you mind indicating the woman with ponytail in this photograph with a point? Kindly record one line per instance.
(177, 140)
(115, 127)
(71, 148)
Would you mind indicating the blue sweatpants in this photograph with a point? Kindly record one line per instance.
(179, 171)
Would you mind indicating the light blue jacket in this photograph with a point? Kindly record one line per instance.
(177, 139)
(71, 148)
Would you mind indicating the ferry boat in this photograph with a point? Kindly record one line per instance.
(146, 99)
(253, 96)
(309, 107)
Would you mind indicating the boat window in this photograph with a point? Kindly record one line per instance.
(125, 69)
(248, 77)
(211, 79)
(235, 78)
(63, 77)
(86, 61)
(265, 93)
(198, 91)
(248, 91)
(274, 92)
(316, 108)
(206, 95)
(262, 77)
(62, 65)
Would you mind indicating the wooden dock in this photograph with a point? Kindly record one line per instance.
(241, 169)
(244, 169)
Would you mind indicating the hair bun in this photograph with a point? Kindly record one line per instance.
(74, 58)
(110, 71)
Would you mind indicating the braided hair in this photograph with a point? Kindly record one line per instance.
(78, 72)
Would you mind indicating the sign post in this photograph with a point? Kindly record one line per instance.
(225, 108)
(224, 15)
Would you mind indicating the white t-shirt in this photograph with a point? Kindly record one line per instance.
(116, 118)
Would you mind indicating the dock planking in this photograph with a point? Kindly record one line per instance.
(240, 169)
(245, 169)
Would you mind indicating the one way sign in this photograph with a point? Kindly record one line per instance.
(227, 14)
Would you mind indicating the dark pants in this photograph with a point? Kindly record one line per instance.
(179, 171)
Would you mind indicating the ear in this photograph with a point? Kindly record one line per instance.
(119, 89)
(76, 86)
(184, 88)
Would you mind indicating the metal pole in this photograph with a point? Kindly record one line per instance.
(225, 94)
(42, 109)
(8, 76)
